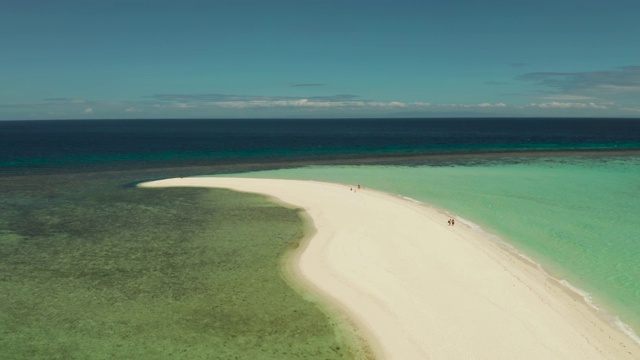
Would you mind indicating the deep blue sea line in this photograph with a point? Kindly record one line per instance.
(37, 144)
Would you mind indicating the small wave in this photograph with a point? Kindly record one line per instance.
(627, 330)
(585, 295)
(498, 240)
(412, 200)
(614, 320)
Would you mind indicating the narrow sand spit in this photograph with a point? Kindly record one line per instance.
(422, 289)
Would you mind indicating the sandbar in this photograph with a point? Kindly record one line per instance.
(421, 289)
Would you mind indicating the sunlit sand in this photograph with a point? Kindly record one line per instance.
(420, 289)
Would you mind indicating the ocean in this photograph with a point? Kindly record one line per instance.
(562, 192)
(80, 145)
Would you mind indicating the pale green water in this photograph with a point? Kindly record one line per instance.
(576, 216)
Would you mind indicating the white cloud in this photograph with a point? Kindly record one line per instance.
(567, 105)
(170, 106)
(420, 104)
(88, 110)
(306, 103)
(392, 104)
(473, 106)
(345, 102)
(489, 105)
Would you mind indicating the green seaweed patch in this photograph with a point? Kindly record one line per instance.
(95, 271)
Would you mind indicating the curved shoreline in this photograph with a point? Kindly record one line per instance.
(361, 343)
(426, 290)
(602, 312)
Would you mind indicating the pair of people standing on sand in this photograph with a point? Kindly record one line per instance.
(452, 222)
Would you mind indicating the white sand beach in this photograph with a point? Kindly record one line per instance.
(421, 289)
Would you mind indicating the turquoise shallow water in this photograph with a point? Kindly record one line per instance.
(575, 216)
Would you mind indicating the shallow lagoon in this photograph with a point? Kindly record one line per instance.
(93, 269)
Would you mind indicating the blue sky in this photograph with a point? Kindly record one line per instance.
(318, 58)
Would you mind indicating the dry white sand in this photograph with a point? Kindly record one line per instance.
(421, 289)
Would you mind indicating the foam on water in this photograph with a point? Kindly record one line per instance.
(587, 298)
(613, 319)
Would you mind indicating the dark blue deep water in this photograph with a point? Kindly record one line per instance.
(33, 145)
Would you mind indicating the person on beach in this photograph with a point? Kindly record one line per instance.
(453, 222)
(449, 222)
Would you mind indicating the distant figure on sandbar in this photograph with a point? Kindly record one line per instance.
(449, 222)
(453, 222)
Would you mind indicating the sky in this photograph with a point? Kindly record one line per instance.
(113, 59)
